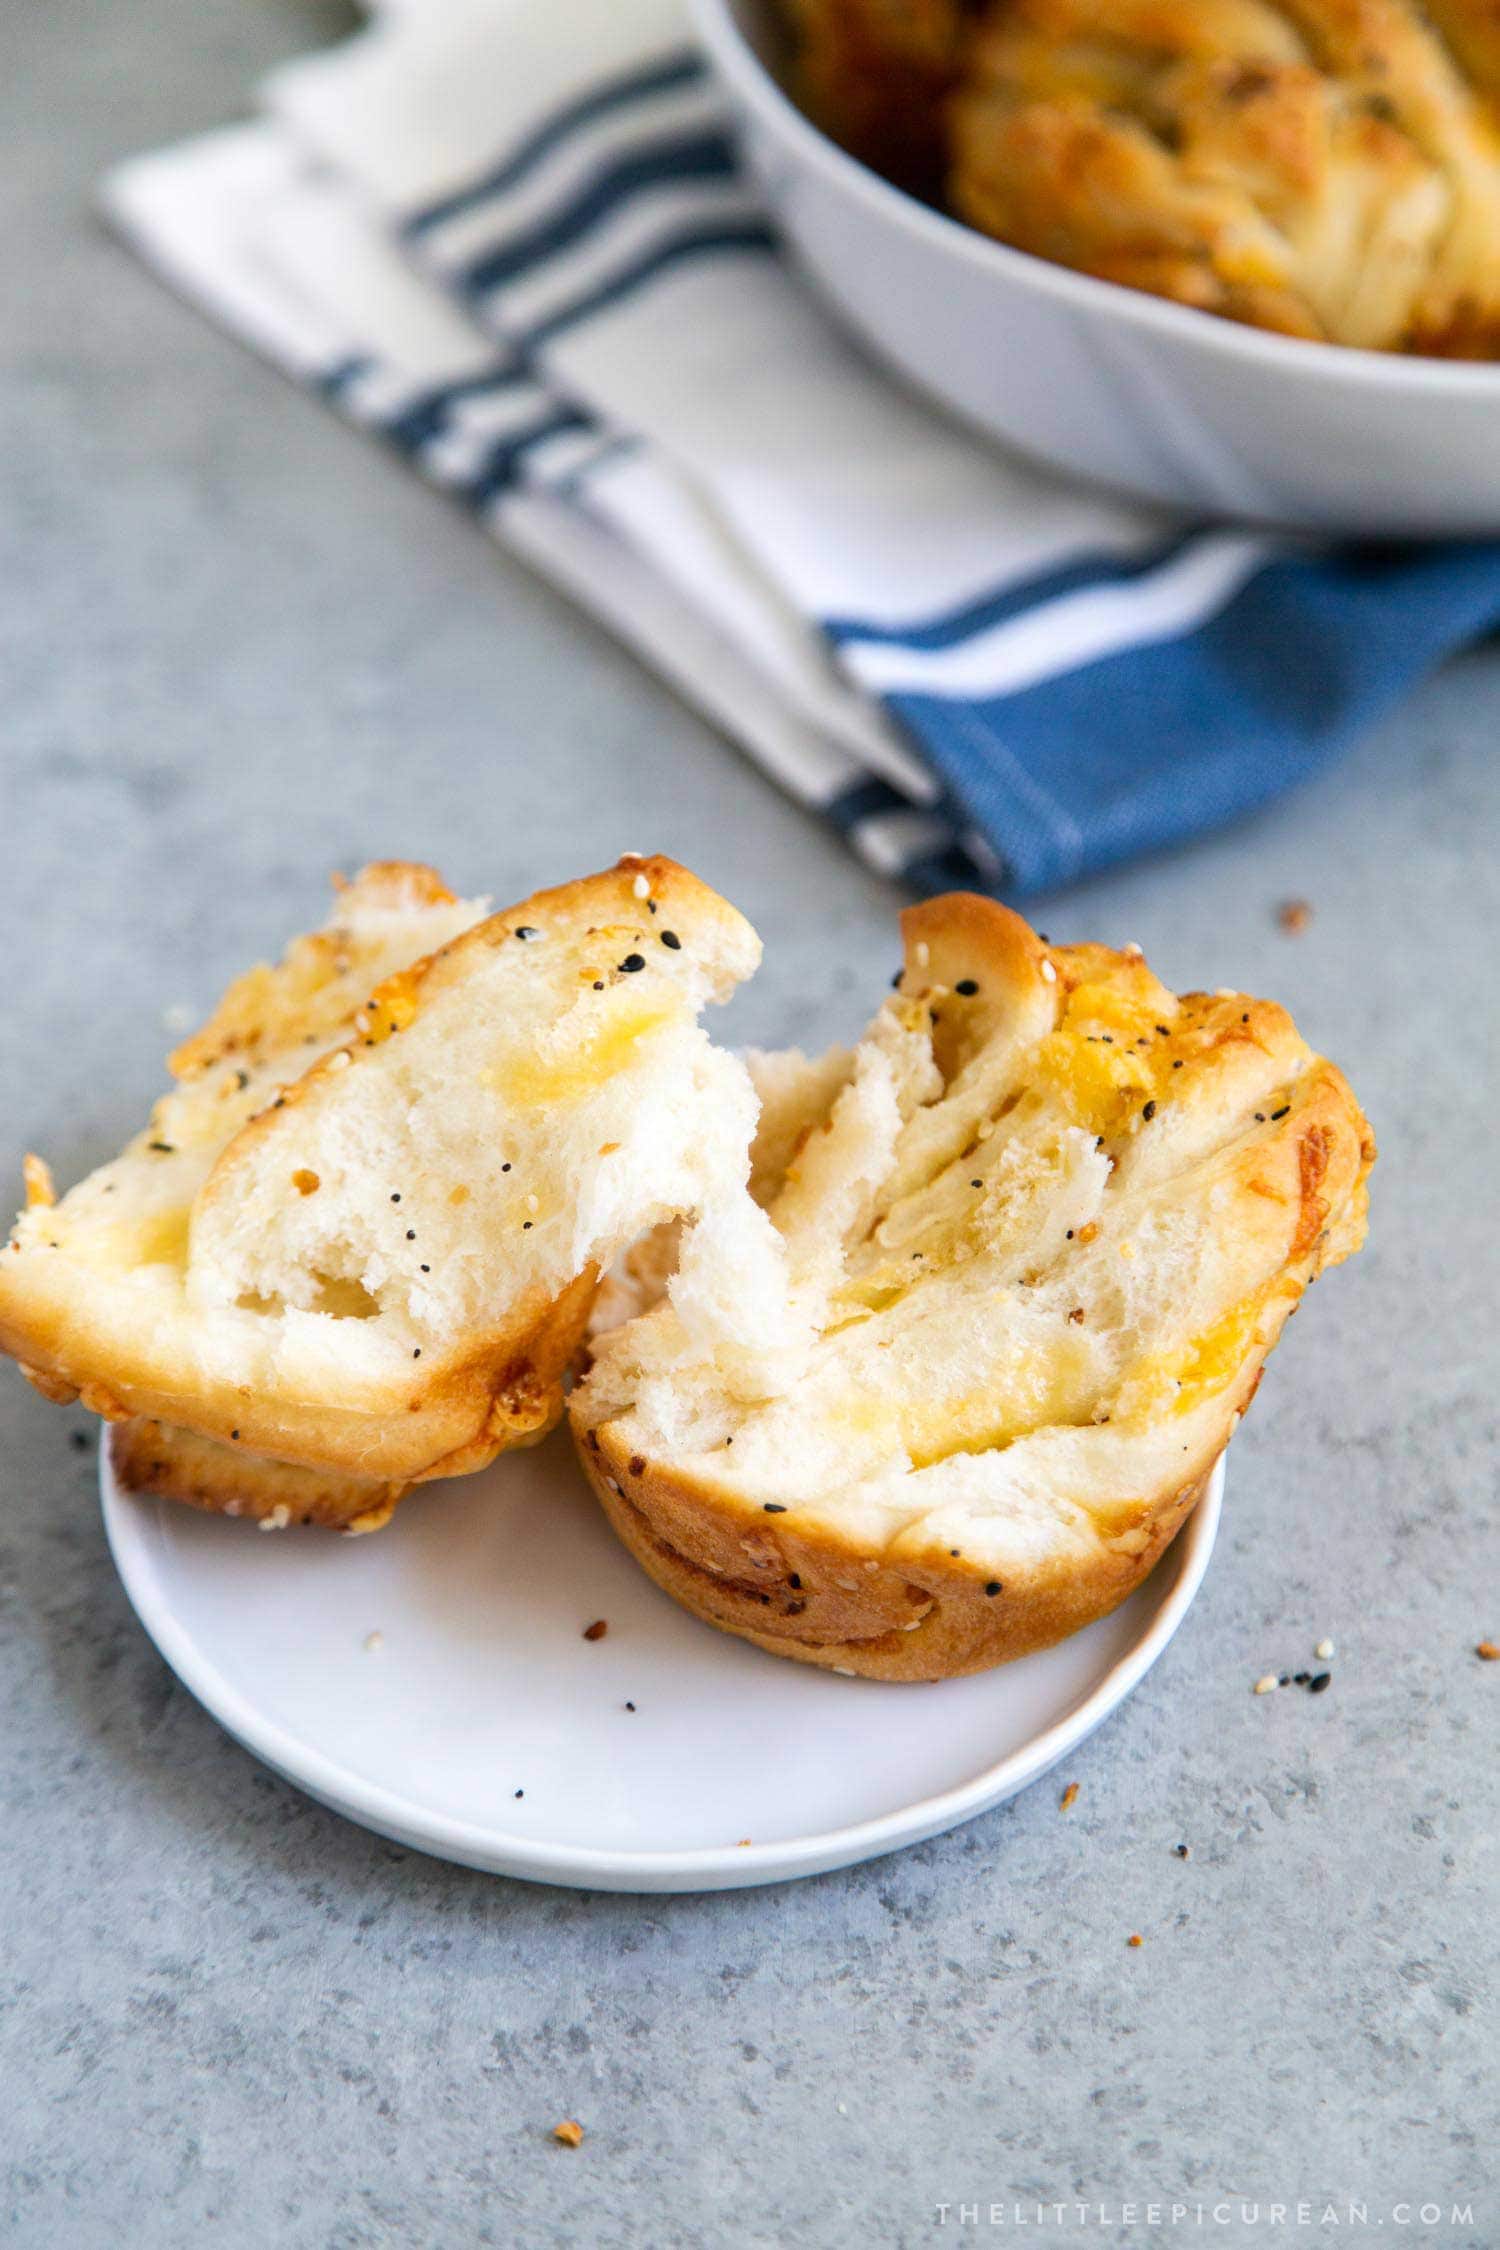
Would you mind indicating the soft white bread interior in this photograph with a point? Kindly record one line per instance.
(950, 1393)
(361, 1236)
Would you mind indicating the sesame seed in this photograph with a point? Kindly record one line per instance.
(630, 1706)
(1324, 1650)
(1149, 1112)
(373, 1641)
(671, 941)
(993, 1588)
(1182, 1851)
(395, 1199)
(632, 962)
(597, 1630)
(966, 987)
(505, 1167)
(1318, 1682)
(774, 1508)
(1049, 973)
(1068, 1798)
(411, 1234)
(641, 887)
(976, 1183)
(426, 1269)
(417, 1352)
(526, 931)
(1266, 1683)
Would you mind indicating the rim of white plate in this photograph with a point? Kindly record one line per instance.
(501, 1851)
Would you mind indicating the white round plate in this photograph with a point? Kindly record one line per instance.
(433, 1683)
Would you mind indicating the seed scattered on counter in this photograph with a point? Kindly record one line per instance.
(1489, 1650)
(79, 1440)
(1181, 1851)
(1318, 1682)
(597, 1630)
(1135, 1938)
(1069, 1797)
(374, 1641)
(630, 1706)
(1267, 1683)
(1293, 916)
(569, 2132)
(1323, 1651)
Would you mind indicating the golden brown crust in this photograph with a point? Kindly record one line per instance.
(1226, 1166)
(874, 74)
(229, 1480)
(804, 1592)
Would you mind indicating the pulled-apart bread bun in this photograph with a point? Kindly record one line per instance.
(361, 1238)
(949, 1395)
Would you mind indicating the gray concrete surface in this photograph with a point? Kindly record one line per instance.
(240, 648)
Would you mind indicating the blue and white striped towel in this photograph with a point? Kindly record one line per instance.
(514, 241)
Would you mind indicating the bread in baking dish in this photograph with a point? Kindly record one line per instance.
(949, 1395)
(360, 1239)
(874, 74)
(1325, 168)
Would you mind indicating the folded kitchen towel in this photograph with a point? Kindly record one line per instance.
(514, 241)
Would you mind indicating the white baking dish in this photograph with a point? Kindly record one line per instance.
(1106, 382)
